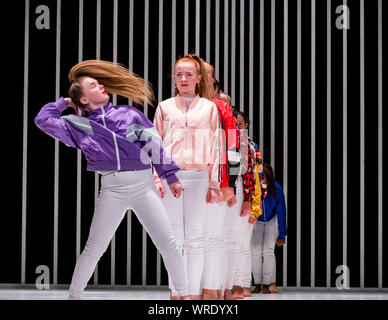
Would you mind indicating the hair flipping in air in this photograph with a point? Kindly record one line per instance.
(116, 79)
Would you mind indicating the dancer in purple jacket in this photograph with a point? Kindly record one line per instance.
(120, 143)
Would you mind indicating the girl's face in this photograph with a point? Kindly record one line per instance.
(186, 78)
(94, 94)
(241, 123)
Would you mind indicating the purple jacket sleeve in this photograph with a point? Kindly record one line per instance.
(49, 121)
(163, 163)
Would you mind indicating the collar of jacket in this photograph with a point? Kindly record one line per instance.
(181, 103)
(98, 111)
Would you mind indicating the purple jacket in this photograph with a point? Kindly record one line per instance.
(111, 138)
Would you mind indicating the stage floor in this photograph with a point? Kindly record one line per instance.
(120, 294)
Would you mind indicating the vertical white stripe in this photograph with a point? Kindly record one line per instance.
(362, 145)
(130, 53)
(380, 145)
(56, 154)
(208, 8)
(129, 212)
(80, 29)
(98, 30)
(160, 58)
(217, 49)
(261, 76)
(328, 144)
(144, 258)
(186, 40)
(273, 84)
(313, 135)
(146, 39)
(114, 98)
(129, 246)
(298, 142)
(173, 44)
(233, 55)
(251, 66)
(56, 191)
(344, 144)
(96, 190)
(160, 98)
(25, 141)
(98, 54)
(226, 47)
(242, 54)
(114, 44)
(146, 45)
(78, 206)
(285, 128)
(197, 26)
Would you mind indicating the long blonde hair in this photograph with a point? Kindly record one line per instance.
(115, 78)
(203, 88)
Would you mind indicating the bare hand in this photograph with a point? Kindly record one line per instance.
(213, 195)
(246, 208)
(230, 193)
(71, 104)
(160, 188)
(226, 194)
(252, 219)
(280, 242)
(176, 189)
(231, 202)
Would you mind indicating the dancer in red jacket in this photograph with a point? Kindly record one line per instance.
(214, 244)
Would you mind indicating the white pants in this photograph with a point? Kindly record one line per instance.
(121, 191)
(187, 216)
(263, 251)
(214, 246)
(238, 236)
(243, 275)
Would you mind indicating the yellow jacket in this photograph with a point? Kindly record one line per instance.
(256, 202)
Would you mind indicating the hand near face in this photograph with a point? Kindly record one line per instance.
(71, 104)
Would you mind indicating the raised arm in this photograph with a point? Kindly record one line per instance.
(50, 122)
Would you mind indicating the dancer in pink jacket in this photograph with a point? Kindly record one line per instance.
(188, 125)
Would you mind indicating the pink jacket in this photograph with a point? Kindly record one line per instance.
(190, 133)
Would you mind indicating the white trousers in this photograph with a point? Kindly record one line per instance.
(214, 246)
(243, 275)
(238, 234)
(187, 216)
(263, 251)
(121, 191)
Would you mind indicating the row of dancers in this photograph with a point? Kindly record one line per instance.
(193, 177)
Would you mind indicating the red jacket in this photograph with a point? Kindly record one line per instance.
(230, 142)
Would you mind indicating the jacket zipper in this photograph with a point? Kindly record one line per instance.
(186, 120)
(265, 220)
(187, 110)
(114, 140)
